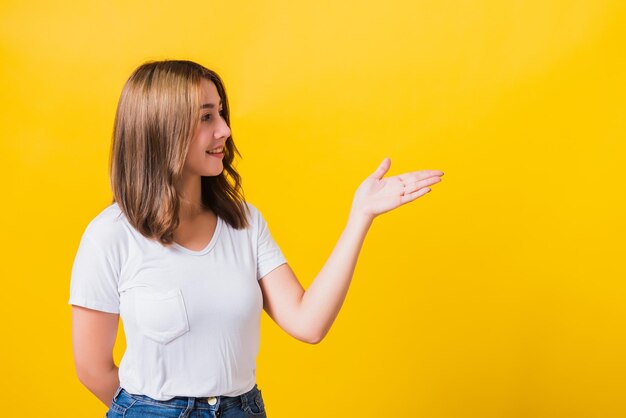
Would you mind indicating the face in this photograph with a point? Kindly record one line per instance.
(211, 133)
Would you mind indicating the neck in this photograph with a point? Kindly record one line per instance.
(191, 198)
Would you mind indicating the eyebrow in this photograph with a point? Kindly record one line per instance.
(208, 105)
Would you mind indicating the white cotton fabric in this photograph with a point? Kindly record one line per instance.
(191, 318)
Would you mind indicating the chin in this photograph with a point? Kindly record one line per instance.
(214, 173)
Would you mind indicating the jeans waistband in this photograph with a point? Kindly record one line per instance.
(211, 402)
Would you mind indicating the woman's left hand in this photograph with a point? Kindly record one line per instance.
(377, 195)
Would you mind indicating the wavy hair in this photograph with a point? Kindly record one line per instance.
(156, 118)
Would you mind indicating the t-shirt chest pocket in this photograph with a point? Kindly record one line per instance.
(161, 316)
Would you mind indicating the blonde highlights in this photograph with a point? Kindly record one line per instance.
(155, 121)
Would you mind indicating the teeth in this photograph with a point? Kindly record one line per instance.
(216, 150)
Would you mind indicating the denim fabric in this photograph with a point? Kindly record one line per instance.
(127, 405)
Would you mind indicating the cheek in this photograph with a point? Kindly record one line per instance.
(195, 151)
(197, 143)
(202, 139)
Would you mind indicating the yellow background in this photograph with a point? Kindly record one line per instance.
(499, 294)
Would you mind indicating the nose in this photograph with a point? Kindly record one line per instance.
(223, 131)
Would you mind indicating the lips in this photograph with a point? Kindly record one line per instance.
(218, 150)
(220, 155)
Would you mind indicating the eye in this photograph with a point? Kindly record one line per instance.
(208, 115)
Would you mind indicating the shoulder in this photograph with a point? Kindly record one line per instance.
(253, 213)
(257, 219)
(252, 208)
(256, 214)
(107, 227)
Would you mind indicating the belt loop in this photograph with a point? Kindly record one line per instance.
(190, 405)
(244, 401)
(117, 392)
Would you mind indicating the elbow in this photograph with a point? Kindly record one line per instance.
(307, 332)
(315, 338)
(89, 376)
(307, 337)
(85, 376)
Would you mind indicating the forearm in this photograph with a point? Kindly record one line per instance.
(103, 384)
(323, 299)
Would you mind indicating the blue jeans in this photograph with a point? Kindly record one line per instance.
(127, 405)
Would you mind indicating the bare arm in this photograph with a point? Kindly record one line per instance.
(93, 338)
(308, 315)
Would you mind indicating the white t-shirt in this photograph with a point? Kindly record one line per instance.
(191, 318)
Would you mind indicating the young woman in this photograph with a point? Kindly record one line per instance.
(189, 264)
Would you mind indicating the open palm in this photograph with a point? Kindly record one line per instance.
(377, 195)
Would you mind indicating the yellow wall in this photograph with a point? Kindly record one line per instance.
(500, 294)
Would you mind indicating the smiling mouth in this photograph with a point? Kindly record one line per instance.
(218, 150)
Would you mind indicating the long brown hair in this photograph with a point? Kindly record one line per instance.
(156, 118)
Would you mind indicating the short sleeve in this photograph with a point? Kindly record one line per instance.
(269, 255)
(94, 280)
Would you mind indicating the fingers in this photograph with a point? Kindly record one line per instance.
(413, 176)
(412, 196)
(413, 186)
(383, 167)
